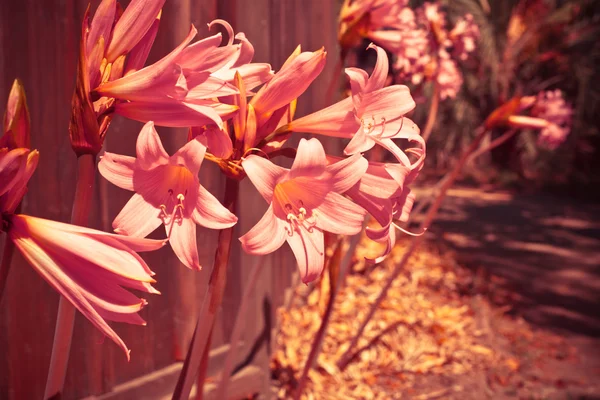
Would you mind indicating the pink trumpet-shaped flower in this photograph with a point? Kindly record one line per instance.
(89, 268)
(383, 191)
(167, 192)
(303, 202)
(373, 115)
(552, 107)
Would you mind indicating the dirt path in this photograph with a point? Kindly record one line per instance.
(548, 251)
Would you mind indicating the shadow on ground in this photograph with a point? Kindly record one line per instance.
(548, 250)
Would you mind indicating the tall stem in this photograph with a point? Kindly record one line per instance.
(7, 255)
(210, 304)
(63, 333)
(237, 332)
(433, 111)
(448, 181)
(318, 340)
(9, 249)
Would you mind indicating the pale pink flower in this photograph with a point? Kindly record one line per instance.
(89, 268)
(552, 107)
(303, 202)
(382, 21)
(449, 78)
(426, 51)
(271, 107)
(167, 192)
(110, 46)
(384, 193)
(373, 115)
(549, 113)
(464, 37)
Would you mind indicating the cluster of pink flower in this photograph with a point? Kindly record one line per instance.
(208, 88)
(552, 107)
(424, 48)
(549, 112)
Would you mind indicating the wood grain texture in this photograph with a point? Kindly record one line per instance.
(39, 44)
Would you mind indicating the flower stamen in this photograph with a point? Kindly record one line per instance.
(299, 221)
(176, 216)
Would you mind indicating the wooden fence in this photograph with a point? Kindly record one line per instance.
(39, 44)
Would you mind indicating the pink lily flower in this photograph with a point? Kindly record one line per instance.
(303, 202)
(110, 46)
(386, 198)
(167, 191)
(179, 90)
(294, 77)
(373, 115)
(90, 268)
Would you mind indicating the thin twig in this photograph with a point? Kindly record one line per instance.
(9, 249)
(433, 111)
(63, 333)
(318, 341)
(210, 304)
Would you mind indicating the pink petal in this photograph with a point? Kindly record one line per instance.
(117, 169)
(378, 182)
(183, 242)
(358, 81)
(360, 143)
(120, 242)
(117, 259)
(53, 274)
(388, 39)
(190, 155)
(210, 213)
(102, 24)
(380, 72)
(403, 128)
(404, 205)
(389, 103)
(12, 166)
(11, 199)
(208, 87)
(393, 148)
(143, 84)
(387, 235)
(177, 114)
(149, 148)
(138, 218)
(337, 120)
(337, 214)
(217, 140)
(289, 83)
(266, 236)
(240, 100)
(253, 75)
(310, 159)
(347, 172)
(246, 53)
(205, 55)
(263, 174)
(249, 134)
(139, 54)
(308, 247)
(132, 26)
